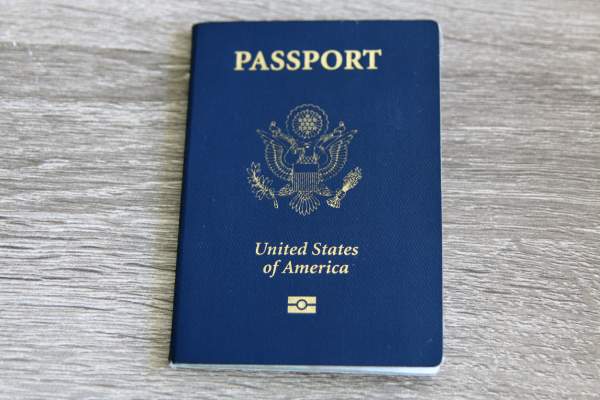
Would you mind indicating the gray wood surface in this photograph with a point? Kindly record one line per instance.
(92, 113)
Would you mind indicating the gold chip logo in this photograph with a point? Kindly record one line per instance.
(302, 305)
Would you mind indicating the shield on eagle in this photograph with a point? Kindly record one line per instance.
(306, 178)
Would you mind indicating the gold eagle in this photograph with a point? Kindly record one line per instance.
(306, 164)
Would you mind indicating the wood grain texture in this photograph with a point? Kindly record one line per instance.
(92, 113)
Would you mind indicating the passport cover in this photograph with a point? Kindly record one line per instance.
(310, 231)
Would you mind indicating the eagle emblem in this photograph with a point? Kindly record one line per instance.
(306, 155)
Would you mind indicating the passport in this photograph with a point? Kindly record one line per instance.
(310, 233)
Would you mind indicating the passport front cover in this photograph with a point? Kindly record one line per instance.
(310, 232)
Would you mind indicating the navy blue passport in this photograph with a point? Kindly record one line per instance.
(310, 233)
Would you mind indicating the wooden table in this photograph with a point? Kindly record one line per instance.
(92, 117)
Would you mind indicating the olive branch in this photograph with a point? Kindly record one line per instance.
(261, 185)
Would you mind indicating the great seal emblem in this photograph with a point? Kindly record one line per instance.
(305, 157)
